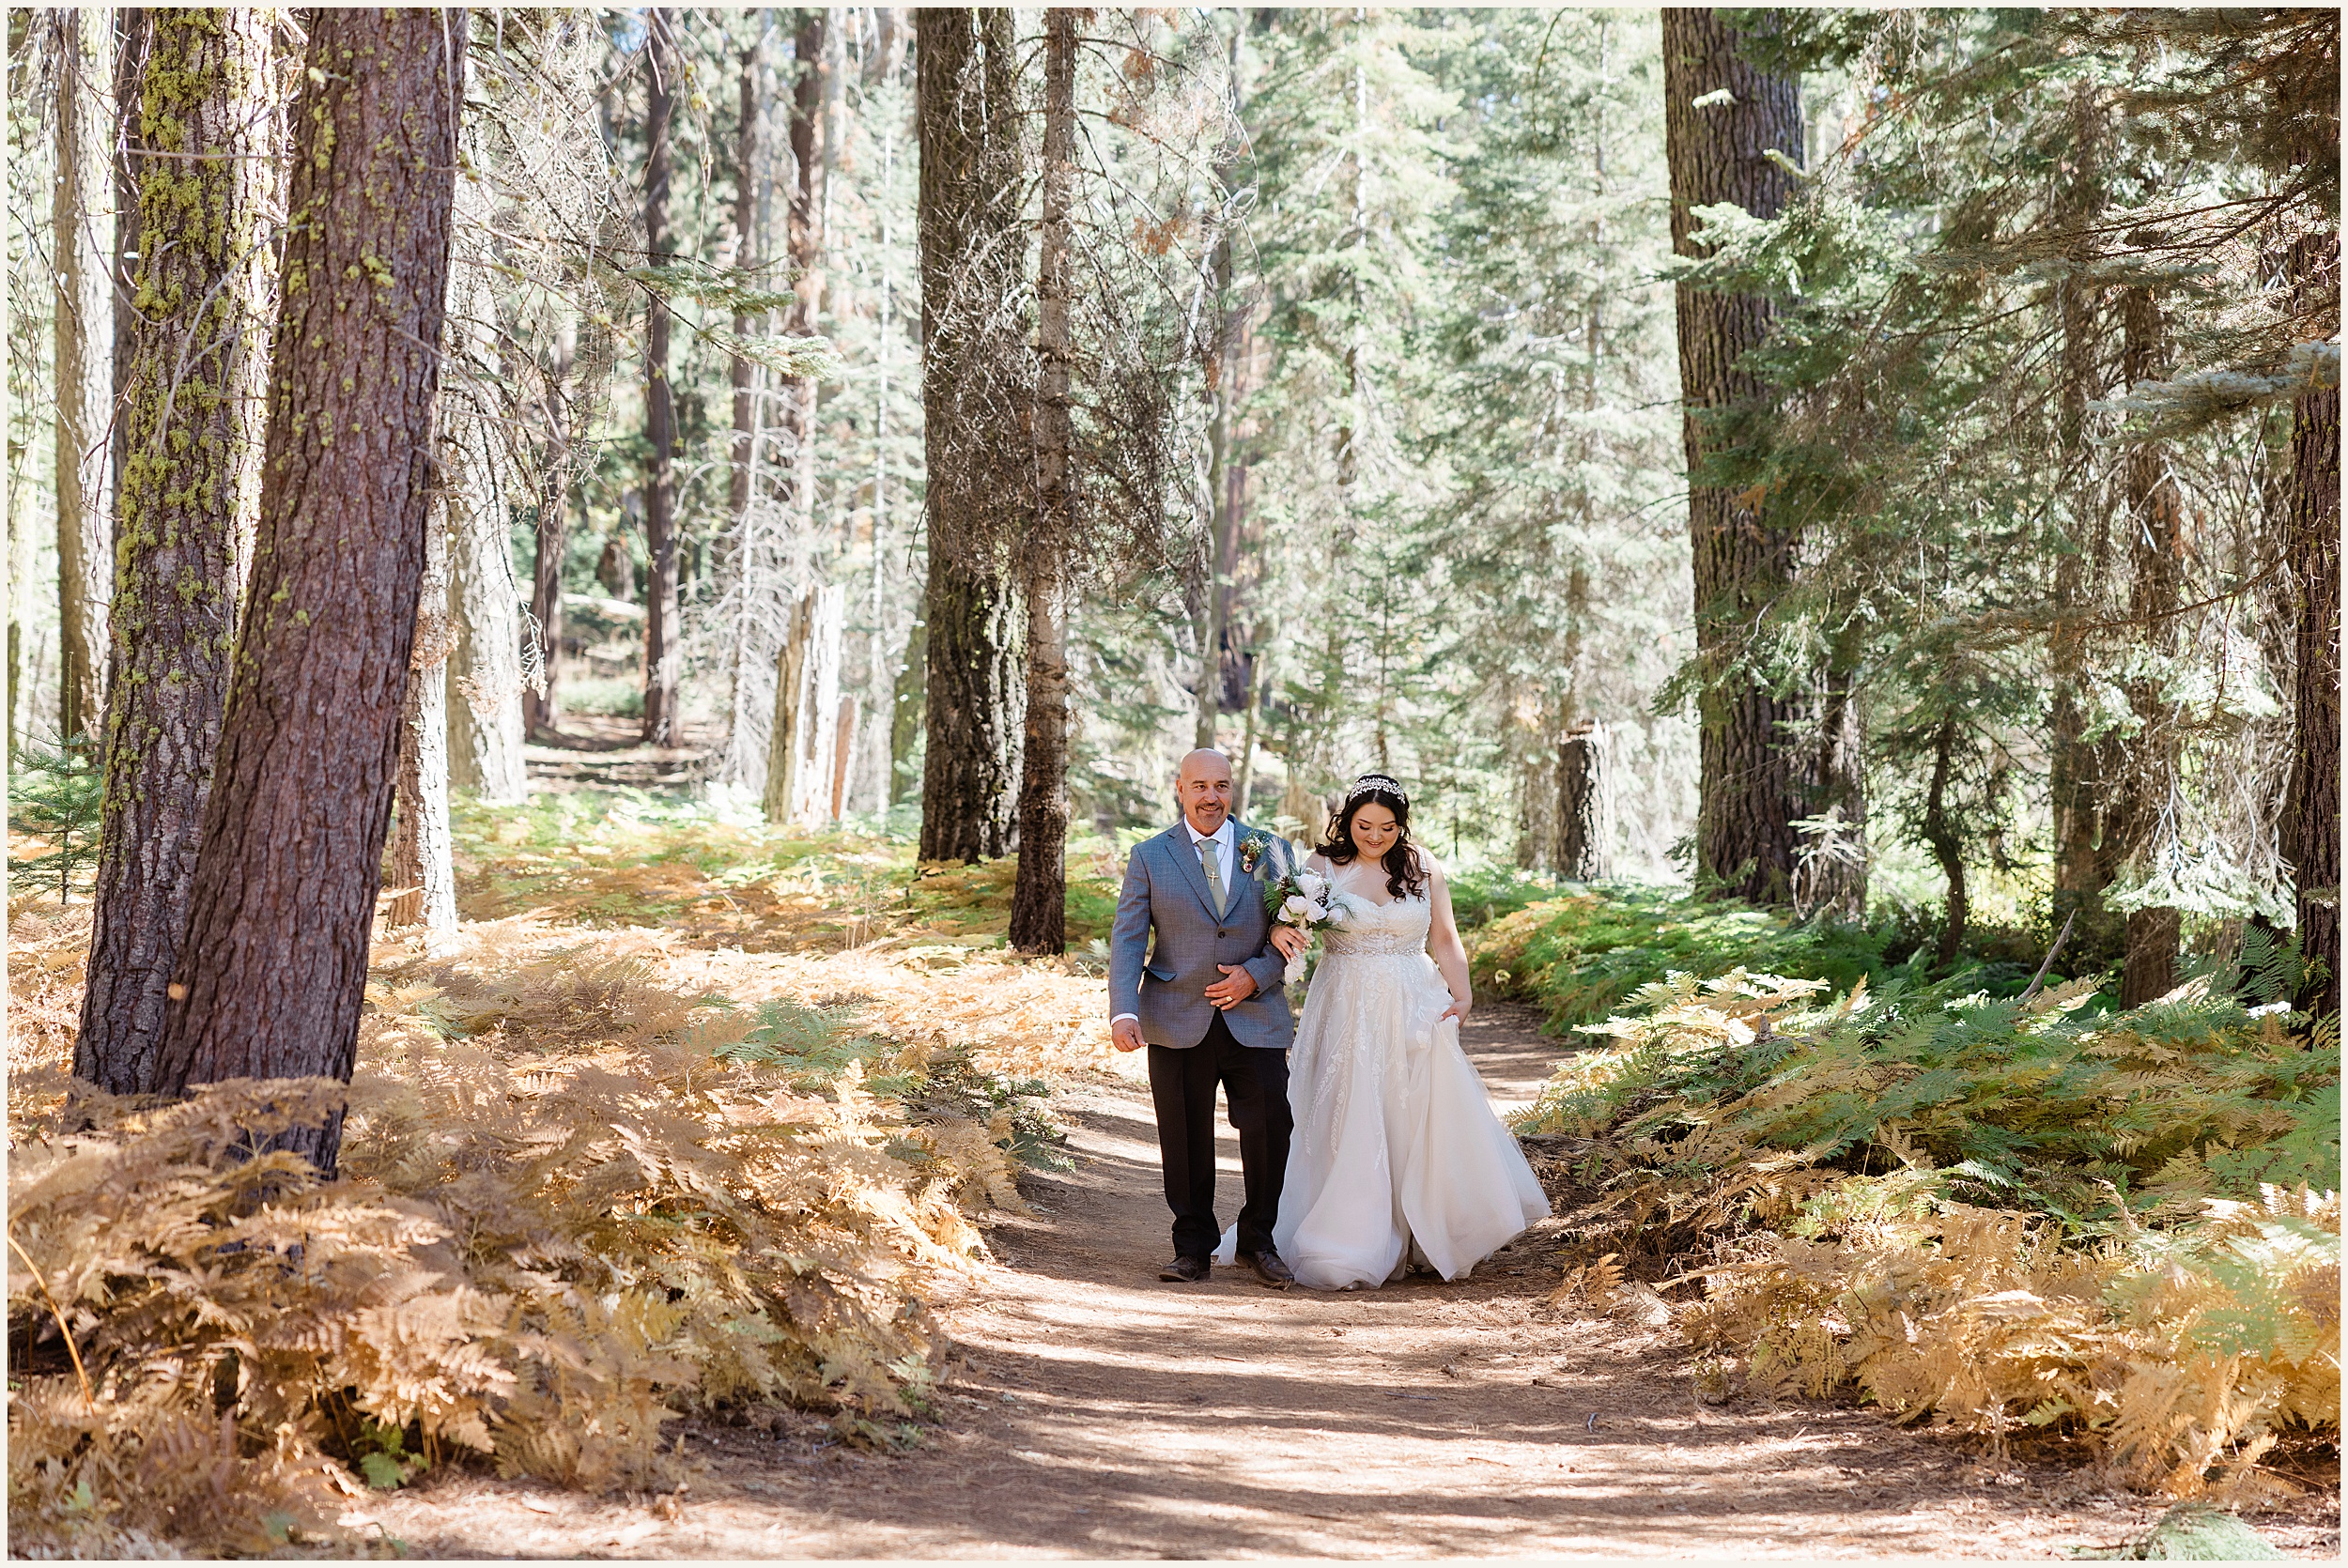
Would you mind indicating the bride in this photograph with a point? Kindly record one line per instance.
(1398, 1160)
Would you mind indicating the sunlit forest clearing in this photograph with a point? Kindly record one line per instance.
(598, 599)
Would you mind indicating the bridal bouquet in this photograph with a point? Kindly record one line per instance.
(1303, 900)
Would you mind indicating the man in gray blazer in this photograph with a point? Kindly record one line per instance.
(1207, 1001)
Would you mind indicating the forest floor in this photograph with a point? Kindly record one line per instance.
(1086, 1409)
(1090, 1410)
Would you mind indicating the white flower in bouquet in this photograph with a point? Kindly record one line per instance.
(1312, 884)
(1298, 910)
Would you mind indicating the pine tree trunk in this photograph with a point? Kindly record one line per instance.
(819, 715)
(133, 35)
(971, 263)
(1947, 848)
(485, 672)
(482, 702)
(663, 654)
(2074, 765)
(1833, 866)
(2311, 816)
(269, 980)
(792, 702)
(741, 760)
(1585, 805)
(1748, 793)
(2155, 558)
(750, 110)
(187, 455)
(84, 244)
(542, 703)
(424, 871)
(1038, 901)
(810, 157)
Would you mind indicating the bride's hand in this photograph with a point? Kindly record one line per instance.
(1460, 1008)
(1290, 941)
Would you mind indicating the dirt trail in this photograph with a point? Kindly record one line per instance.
(1092, 1411)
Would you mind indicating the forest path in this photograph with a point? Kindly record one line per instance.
(1091, 1412)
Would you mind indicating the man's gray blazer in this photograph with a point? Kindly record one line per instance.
(1165, 987)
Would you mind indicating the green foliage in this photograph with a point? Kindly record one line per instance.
(57, 797)
(1582, 955)
(2194, 1532)
(813, 1046)
(2095, 1119)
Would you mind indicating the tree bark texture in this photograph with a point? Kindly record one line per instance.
(2156, 569)
(1585, 805)
(1947, 847)
(270, 978)
(802, 762)
(479, 595)
(485, 732)
(1832, 868)
(1748, 790)
(972, 256)
(741, 757)
(191, 439)
(2075, 764)
(663, 651)
(1039, 900)
(84, 243)
(542, 703)
(750, 110)
(133, 35)
(2311, 818)
(423, 867)
(809, 158)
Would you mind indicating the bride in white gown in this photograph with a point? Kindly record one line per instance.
(1396, 1159)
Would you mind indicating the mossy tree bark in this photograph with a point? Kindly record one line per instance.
(1039, 899)
(1749, 794)
(972, 364)
(663, 654)
(132, 38)
(269, 980)
(83, 244)
(191, 444)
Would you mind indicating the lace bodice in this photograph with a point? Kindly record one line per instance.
(1374, 929)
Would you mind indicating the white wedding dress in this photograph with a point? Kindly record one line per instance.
(1397, 1157)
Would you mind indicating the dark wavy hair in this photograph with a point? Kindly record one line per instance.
(1406, 877)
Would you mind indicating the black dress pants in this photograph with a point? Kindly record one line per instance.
(1182, 1086)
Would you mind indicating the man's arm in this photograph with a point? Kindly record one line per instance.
(1129, 939)
(1269, 968)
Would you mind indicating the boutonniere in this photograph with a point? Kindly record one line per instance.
(1252, 850)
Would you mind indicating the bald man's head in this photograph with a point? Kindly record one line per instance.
(1203, 786)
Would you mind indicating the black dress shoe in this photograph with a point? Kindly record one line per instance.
(1271, 1269)
(1188, 1269)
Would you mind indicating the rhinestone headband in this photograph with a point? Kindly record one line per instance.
(1371, 782)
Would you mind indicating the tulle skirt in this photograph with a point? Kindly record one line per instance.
(1396, 1157)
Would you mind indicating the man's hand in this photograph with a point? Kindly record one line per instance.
(1290, 941)
(1236, 986)
(1125, 1033)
